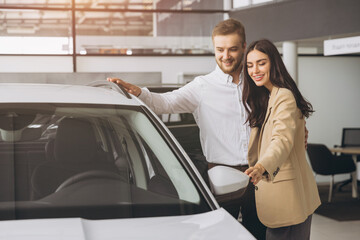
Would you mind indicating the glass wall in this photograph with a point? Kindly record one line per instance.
(152, 34)
(33, 31)
(36, 3)
(108, 27)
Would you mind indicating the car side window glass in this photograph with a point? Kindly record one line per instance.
(90, 161)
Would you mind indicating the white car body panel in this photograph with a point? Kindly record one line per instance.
(213, 225)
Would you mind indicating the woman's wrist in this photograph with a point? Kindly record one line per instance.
(260, 168)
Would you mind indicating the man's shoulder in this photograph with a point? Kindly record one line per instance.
(201, 81)
(205, 77)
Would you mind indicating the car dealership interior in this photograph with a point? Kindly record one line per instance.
(155, 43)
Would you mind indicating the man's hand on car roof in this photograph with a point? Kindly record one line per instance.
(130, 88)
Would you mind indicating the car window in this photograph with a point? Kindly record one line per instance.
(89, 161)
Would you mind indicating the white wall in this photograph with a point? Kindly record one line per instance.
(36, 64)
(332, 85)
(170, 67)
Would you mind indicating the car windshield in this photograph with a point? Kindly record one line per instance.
(89, 161)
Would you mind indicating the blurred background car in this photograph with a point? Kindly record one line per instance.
(185, 130)
(79, 162)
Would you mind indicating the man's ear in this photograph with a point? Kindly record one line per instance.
(244, 45)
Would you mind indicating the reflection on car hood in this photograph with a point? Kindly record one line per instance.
(212, 225)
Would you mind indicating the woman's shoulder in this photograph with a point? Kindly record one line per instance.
(285, 93)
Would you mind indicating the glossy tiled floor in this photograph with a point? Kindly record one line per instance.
(323, 228)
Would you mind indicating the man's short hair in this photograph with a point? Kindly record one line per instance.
(229, 26)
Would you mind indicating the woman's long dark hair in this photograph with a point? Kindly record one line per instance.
(257, 98)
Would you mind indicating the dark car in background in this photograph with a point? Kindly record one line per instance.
(185, 130)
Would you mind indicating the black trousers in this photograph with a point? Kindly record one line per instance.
(250, 219)
(299, 231)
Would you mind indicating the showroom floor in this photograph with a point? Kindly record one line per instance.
(324, 228)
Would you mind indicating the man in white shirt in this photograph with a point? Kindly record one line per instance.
(216, 103)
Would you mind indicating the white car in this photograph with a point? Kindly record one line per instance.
(93, 162)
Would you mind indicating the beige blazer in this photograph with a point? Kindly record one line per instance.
(287, 194)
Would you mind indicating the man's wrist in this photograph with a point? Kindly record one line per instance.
(144, 92)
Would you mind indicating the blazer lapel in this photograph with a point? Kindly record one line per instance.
(268, 111)
(253, 143)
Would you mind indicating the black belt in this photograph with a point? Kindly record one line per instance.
(240, 167)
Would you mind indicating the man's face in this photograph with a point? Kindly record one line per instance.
(229, 52)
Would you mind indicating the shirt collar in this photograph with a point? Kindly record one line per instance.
(227, 78)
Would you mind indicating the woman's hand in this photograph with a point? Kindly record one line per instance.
(255, 173)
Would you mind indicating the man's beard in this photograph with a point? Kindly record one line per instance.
(233, 69)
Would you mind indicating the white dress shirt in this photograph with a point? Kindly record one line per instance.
(216, 103)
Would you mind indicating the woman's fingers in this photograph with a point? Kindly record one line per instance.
(254, 174)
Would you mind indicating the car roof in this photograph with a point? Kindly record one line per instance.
(61, 93)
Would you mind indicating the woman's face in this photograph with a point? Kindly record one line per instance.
(258, 66)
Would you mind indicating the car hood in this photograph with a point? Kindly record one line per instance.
(216, 224)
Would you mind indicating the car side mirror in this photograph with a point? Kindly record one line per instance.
(226, 180)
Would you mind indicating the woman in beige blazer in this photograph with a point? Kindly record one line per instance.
(286, 192)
